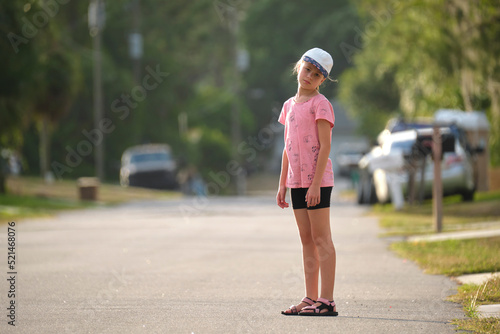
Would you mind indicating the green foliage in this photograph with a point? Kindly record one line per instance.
(181, 40)
(418, 56)
(193, 42)
(215, 147)
(15, 79)
(371, 93)
(14, 206)
(58, 78)
(277, 33)
(401, 57)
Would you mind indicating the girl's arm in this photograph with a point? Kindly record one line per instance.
(280, 197)
(313, 194)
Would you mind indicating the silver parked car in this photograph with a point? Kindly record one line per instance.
(456, 167)
(349, 155)
(149, 166)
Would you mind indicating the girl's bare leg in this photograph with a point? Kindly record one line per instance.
(309, 253)
(322, 238)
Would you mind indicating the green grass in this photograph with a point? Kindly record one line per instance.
(453, 257)
(15, 206)
(457, 215)
(479, 325)
(32, 196)
(471, 296)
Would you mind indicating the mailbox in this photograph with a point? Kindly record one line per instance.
(423, 143)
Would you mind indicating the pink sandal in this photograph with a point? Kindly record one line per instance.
(293, 308)
(316, 310)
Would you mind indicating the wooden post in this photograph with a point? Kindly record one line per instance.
(421, 187)
(411, 180)
(437, 192)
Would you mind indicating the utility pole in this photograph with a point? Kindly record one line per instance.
(135, 40)
(238, 66)
(96, 20)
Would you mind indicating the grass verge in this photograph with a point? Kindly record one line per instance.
(457, 215)
(453, 257)
(471, 296)
(18, 206)
(32, 196)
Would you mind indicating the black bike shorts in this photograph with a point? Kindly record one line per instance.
(299, 198)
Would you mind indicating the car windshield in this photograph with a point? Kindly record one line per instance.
(351, 153)
(409, 126)
(147, 157)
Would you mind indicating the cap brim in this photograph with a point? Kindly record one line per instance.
(316, 64)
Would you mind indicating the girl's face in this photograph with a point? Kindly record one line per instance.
(309, 77)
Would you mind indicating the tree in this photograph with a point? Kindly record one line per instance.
(58, 77)
(436, 54)
(188, 43)
(277, 34)
(16, 59)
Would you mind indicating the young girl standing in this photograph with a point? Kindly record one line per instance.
(306, 169)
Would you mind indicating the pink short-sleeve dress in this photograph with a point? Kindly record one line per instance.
(302, 142)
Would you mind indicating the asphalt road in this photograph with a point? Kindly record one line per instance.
(209, 265)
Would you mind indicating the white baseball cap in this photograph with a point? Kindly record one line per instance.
(319, 58)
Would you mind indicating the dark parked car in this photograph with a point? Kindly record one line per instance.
(149, 166)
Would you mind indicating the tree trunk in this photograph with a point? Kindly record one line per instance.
(494, 91)
(3, 174)
(44, 146)
(466, 88)
(3, 181)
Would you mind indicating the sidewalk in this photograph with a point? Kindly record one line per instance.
(484, 311)
(473, 234)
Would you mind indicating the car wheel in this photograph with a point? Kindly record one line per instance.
(359, 193)
(468, 196)
(366, 190)
(372, 195)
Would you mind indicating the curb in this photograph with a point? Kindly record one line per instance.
(477, 279)
(489, 311)
(484, 311)
(456, 235)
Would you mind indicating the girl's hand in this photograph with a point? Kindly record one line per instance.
(313, 196)
(280, 198)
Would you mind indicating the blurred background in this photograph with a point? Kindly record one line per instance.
(83, 83)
